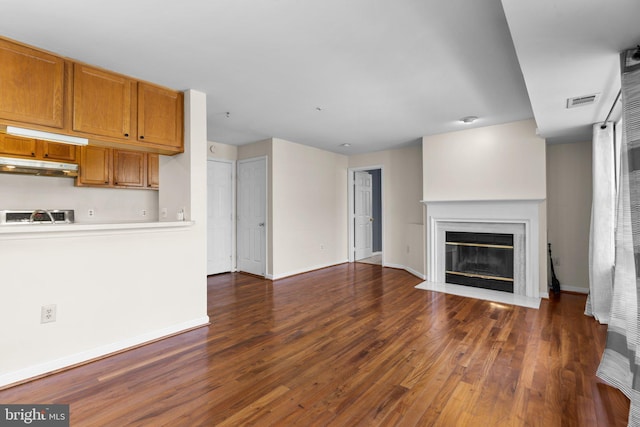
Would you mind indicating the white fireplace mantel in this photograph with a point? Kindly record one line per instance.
(478, 215)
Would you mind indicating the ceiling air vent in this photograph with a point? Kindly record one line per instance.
(579, 101)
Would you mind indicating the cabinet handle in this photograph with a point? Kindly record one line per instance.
(127, 135)
(141, 136)
(33, 154)
(46, 155)
(106, 182)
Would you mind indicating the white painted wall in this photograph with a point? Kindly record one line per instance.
(569, 190)
(403, 242)
(217, 150)
(502, 162)
(307, 205)
(256, 149)
(113, 289)
(309, 208)
(109, 204)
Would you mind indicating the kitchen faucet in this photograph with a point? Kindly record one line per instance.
(39, 211)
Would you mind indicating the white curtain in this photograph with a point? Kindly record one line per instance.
(601, 238)
(620, 364)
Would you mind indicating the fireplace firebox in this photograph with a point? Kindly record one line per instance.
(482, 260)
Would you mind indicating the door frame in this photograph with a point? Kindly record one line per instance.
(234, 215)
(351, 206)
(266, 273)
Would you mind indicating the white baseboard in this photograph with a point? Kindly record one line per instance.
(318, 267)
(74, 359)
(304, 270)
(407, 269)
(578, 289)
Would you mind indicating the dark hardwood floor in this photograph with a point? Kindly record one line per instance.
(350, 345)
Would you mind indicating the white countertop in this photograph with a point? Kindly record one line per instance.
(88, 227)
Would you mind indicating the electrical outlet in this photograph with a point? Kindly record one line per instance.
(91, 212)
(48, 313)
(163, 212)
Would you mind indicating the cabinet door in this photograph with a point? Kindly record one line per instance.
(95, 166)
(55, 151)
(160, 116)
(16, 146)
(101, 102)
(153, 170)
(128, 168)
(31, 85)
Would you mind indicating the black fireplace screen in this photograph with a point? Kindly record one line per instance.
(483, 260)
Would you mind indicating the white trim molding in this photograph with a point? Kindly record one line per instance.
(407, 269)
(351, 207)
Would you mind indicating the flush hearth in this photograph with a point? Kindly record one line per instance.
(482, 260)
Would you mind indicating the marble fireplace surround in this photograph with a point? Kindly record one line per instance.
(517, 217)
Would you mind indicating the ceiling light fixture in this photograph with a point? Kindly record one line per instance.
(468, 120)
(346, 144)
(47, 136)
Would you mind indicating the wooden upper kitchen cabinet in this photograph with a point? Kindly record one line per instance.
(160, 116)
(95, 166)
(17, 147)
(153, 170)
(55, 151)
(104, 104)
(31, 85)
(115, 168)
(129, 168)
(47, 92)
(101, 102)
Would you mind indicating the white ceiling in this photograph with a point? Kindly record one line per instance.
(571, 48)
(383, 73)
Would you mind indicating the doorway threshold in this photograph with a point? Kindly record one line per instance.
(375, 259)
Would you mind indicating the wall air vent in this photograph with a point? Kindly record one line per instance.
(579, 101)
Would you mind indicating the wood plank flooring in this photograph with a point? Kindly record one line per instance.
(350, 345)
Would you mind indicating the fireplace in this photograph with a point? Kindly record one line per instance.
(487, 234)
(481, 260)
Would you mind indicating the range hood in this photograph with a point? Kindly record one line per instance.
(38, 167)
(47, 136)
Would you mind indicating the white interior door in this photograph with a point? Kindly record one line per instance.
(363, 221)
(219, 216)
(252, 190)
